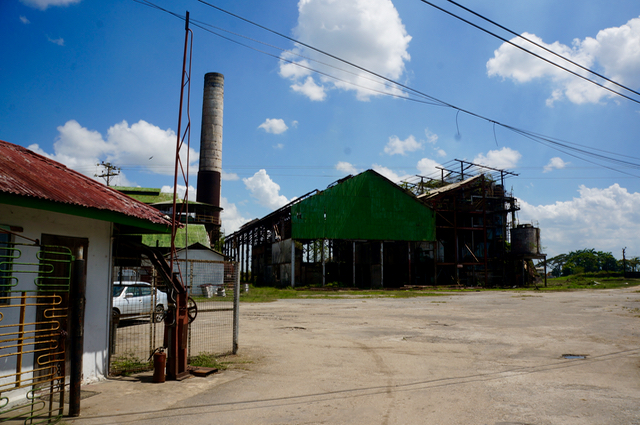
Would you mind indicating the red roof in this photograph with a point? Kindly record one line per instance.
(26, 173)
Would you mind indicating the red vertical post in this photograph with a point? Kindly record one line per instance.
(177, 332)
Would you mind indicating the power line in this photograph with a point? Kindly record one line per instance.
(110, 170)
(543, 47)
(548, 141)
(530, 52)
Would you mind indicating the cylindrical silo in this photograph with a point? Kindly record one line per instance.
(525, 240)
(210, 167)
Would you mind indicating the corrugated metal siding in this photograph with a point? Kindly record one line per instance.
(25, 173)
(368, 207)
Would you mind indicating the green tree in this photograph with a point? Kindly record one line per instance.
(589, 261)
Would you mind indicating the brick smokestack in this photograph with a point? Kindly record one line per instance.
(210, 167)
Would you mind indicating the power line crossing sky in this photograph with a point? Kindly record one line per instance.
(85, 82)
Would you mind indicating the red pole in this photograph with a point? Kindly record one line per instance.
(177, 333)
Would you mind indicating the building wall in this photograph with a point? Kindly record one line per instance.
(98, 260)
(200, 267)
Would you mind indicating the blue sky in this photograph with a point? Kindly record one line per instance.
(84, 82)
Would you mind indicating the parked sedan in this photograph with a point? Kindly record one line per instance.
(135, 300)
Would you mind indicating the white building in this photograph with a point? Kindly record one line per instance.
(51, 216)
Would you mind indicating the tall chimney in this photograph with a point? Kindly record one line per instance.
(210, 167)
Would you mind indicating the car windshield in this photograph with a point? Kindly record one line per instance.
(117, 290)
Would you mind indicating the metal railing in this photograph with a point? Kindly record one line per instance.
(34, 306)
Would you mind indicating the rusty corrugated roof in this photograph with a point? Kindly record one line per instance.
(26, 173)
(435, 192)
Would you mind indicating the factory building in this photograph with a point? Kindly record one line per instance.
(365, 231)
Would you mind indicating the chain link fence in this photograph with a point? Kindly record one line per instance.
(140, 301)
(215, 287)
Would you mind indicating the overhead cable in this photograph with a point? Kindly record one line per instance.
(548, 141)
(532, 53)
(543, 47)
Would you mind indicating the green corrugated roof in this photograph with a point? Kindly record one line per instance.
(145, 195)
(197, 233)
(368, 207)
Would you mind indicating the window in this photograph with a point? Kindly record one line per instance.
(6, 256)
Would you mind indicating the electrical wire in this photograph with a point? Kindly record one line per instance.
(529, 52)
(543, 47)
(548, 141)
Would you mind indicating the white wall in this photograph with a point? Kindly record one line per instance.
(98, 257)
(207, 267)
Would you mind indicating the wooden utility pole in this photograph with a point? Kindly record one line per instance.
(110, 171)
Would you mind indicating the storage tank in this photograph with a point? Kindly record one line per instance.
(525, 240)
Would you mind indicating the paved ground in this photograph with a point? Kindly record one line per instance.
(490, 358)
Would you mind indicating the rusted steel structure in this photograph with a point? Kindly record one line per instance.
(178, 317)
(363, 231)
(474, 216)
(471, 228)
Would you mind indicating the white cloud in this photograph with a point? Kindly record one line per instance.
(274, 126)
(555, 163)
(24, 20)
(391, 175)
(44, 4)
(310, 89)
(77, 147)
(347, 168)
(279, 146)
(231, 218)
(501, 159)
(427, 167)
(401, 147)
(265, 190)
(181, 191)
(229, 176)
(441, 152)
(613, 49)
(147, 145)
(605, 219)
(139, 145)
(294, 71)
(368, 33)
(58, 41)
(432, 138)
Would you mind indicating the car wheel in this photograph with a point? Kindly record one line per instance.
(115, 316)
(158, 314)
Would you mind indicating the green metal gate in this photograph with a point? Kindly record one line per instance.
(34, 295)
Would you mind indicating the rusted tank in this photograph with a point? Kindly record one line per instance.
(525, 240)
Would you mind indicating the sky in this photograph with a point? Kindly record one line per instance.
(84, 82)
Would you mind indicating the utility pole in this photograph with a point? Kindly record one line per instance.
(110, 171)
(624, 263)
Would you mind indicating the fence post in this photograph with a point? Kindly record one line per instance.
(78, 301)
(236, 309)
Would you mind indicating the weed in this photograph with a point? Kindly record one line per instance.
(127, 363)
(207, 360)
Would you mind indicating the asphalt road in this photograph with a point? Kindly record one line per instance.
(490, 358)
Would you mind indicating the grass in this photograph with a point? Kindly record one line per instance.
(569, 283)
(268, 294)
(220, 362)
(207, 360)
(574, 282)
(127, 363)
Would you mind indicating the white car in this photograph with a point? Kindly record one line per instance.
(135, 300)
